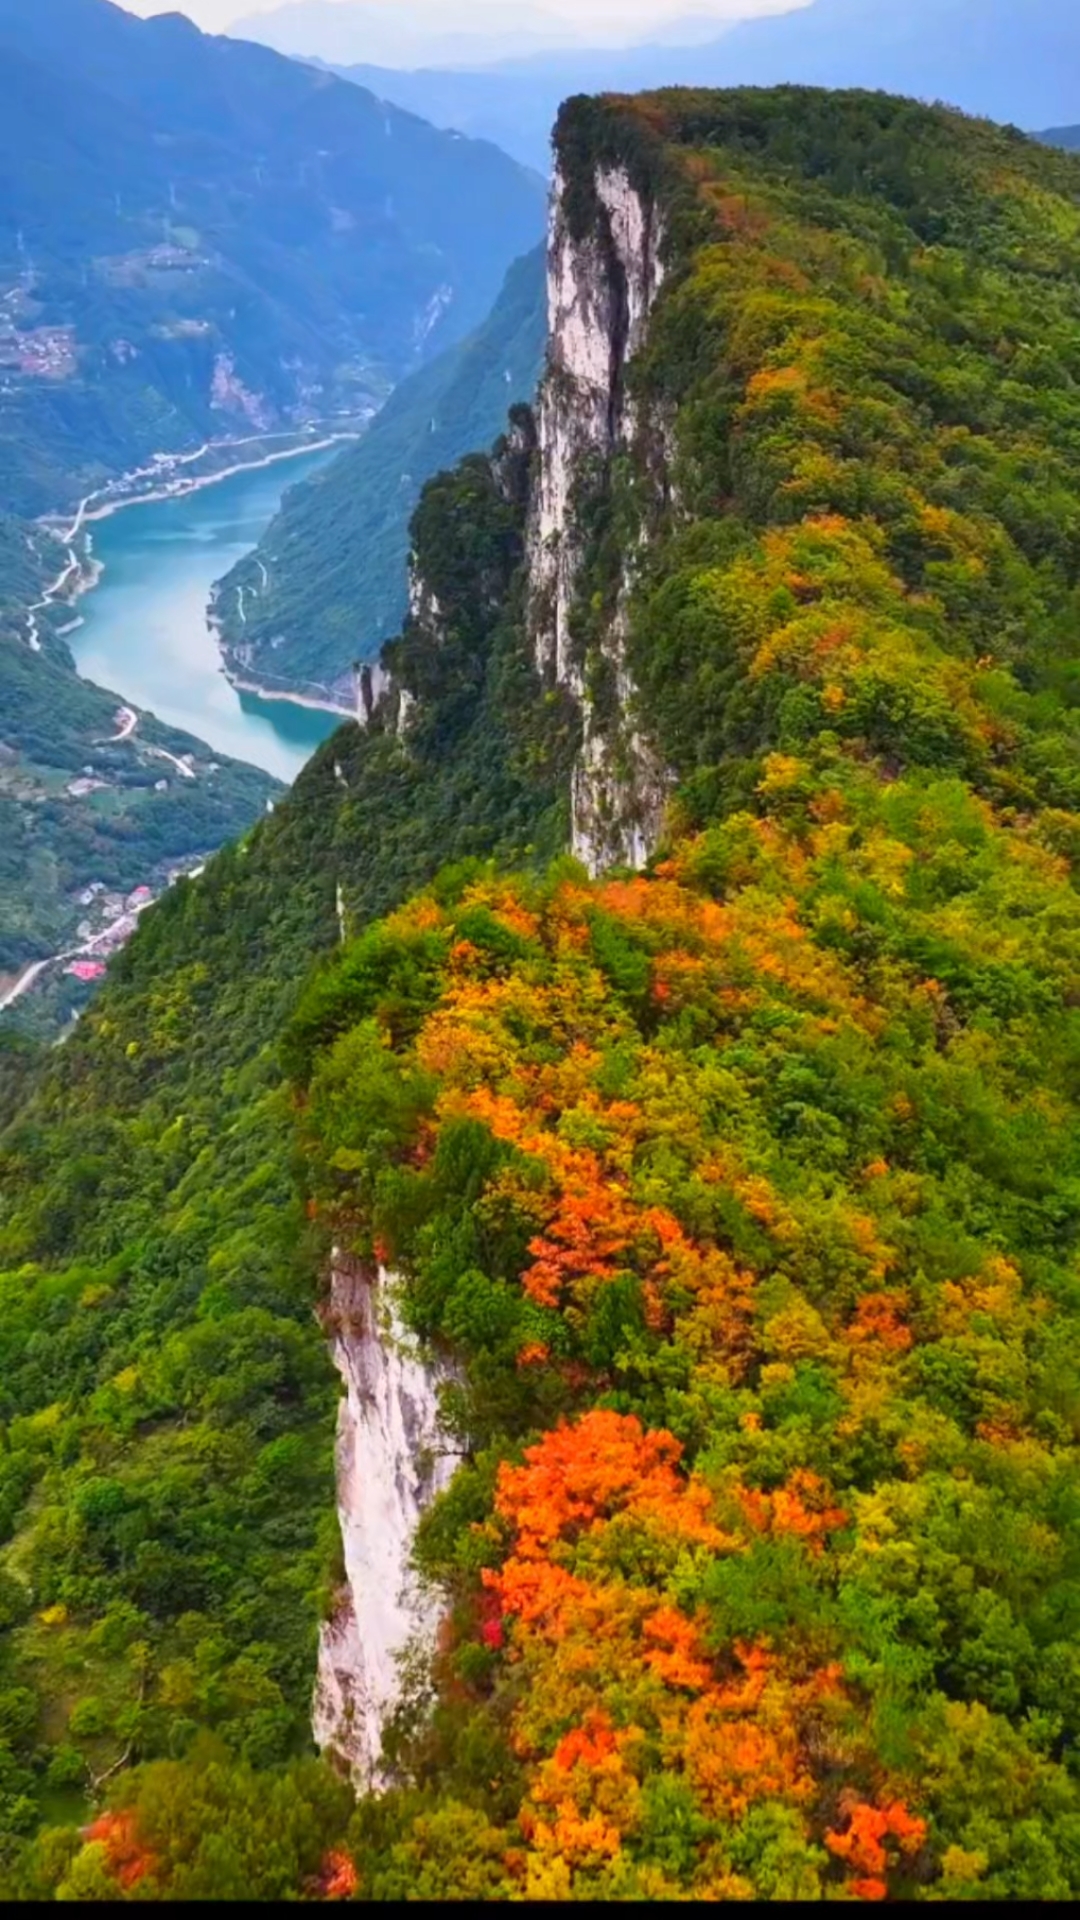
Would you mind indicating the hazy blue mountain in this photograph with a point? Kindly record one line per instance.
(199, 238)
(1013, 60)
(328, 582)
(515, 111)
(1062, 137)
(406, 34)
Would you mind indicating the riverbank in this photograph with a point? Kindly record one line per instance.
(146, 630)
(84, 571)
(290, 695)
(180, 485)
(288, 699)
(126, 802)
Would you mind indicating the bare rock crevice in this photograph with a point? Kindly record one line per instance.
(602, 287)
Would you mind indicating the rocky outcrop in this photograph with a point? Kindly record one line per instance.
(424, 604)
(550, 469)
(372, 682)
(392, 1459)
(428, 319)
(228, 394)
(602, 286)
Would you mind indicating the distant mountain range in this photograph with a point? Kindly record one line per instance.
(1016, 61)
(469, 33)
(199, 238)
(408, 34)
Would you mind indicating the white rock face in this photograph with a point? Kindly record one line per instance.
(601, 291)
(637, 237)
(228, 394)
(605, 832)
(423, 601)
(392, 1459)
(427, 320)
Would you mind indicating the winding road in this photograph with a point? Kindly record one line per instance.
(162, 753)
(127, 720)
(24, 982)
(55, 592)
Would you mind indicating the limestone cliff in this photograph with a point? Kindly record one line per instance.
(550, 531)
(579, 479)
(604, 276)
(391, 1461)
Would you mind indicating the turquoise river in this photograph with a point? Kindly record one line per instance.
(144, 632)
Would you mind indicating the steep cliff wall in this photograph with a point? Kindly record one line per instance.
(391, 1461)
(604, 277)
(546, 535)
(456, 713)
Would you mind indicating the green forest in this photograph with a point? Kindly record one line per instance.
(744, 1191)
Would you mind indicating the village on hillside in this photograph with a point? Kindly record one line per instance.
(110, 920)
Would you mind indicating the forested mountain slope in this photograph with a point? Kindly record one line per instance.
(327, 583)
(199, 238)
(742, 1190)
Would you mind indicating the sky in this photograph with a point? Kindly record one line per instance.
(608, 18)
